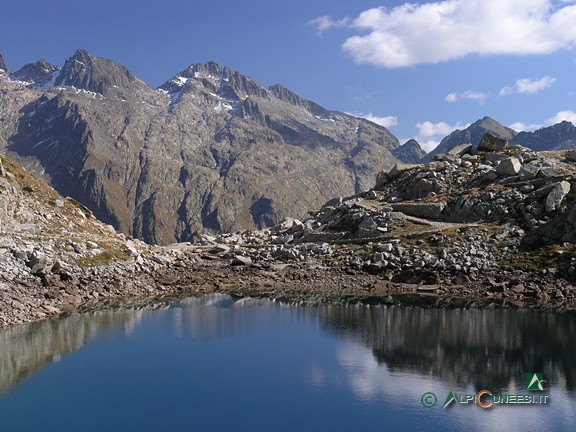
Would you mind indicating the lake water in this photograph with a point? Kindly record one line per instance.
(213, 364)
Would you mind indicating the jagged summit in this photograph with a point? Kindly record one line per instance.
(39, 74)
(409, 152)
(471, 135)
(561, 136)
(93, 74)
(221, 81)
(3, 68)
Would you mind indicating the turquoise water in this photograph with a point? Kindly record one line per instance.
(213, 364)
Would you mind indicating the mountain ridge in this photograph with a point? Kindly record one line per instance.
(210, 149)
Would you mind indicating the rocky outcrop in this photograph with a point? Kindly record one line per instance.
(473, 134)
(211, 150)
(491, 143)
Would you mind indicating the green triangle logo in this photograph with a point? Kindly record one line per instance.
(534, 381)
(449, 399)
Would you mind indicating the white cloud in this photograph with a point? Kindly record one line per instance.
(469, 95)
(326, 22)
(412, 34)
(520, 126)
(561, 116)
(430, 134)
(387, 121)
(528, 86)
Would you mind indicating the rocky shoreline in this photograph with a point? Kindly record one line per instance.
(493, 229)
(191, 272)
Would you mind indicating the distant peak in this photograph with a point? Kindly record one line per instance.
(210, 67)
(39, 74)
(222, 81)
(3, 68)
(82, 55)
(94, 74)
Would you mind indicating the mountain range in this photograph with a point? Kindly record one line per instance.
(209, 150)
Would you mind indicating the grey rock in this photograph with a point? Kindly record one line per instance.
(38, 263)
(509, 167)
(491, 143)
(529, 171)
(368, 223)
(547, 171)
(555, 197)
(526, 188)
(460, 150)
(240, 260)
(429, 210)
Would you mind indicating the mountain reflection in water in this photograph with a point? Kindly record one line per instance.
(483, 349)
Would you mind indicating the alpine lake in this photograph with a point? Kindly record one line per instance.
(216, 363)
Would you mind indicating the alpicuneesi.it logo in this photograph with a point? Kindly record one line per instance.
(535, 382)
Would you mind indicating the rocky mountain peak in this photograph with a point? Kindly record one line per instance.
(409, 152)
(3, 68)
(94, 74)
(37, 74)
(561, 136)
(471, 135)
(224, 82)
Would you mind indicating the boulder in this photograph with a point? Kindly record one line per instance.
(510, 166)
(460, 150)
(240, 260)
(38, 263)
(529, 171)
(556, 195)
(491, 143)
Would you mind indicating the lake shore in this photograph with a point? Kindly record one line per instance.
(193, 272)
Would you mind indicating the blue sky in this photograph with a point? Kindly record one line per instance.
(422, 69)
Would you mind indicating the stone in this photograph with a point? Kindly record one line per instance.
(460, 150)
(427, 210)
(509, 167)
(527, 188)
(492, 175)
(386, 247)
(38, 263)
(131, 251)
(548, 171)
(555, 197)
(384, 177)
(529, 171)
(240, 260)
(334, 202)
(368, 223)
(491, 143)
